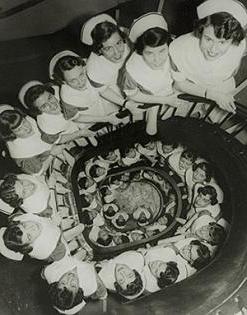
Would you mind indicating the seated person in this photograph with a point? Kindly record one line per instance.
(24, 141)
(162, 268)
(34, 236)
(28, 192)
(201, 172)
(124, 274)
(120, 219)
(142, 216)
(181, 161)
(71, 282)
(42, 102)
(206, 198)
(130, 156)
(120, 238)
(81, 101)
(109, 210)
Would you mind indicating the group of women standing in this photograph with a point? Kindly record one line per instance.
(135, 75)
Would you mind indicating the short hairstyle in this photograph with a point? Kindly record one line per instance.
(33, 93)
(9, 120)
(121, 221)
(169, 276)
(8, 193)
(209, 190)
(203, 253)
(217, 234)
(110, 211)
(64, 64)
(125, 239)
(84, 202)
(85, 217)
(206, 167)
(133, 288)
(92, 171)
(188, 155)
(101, 33)
(153, 37)
(64, 299)
(225, 26)
(12, 237)
(106, 242)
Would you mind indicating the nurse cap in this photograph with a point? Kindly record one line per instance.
(235, 8)
(88, 27)
(55, 59)
(4, 107)
(25, 88)
(144, 23)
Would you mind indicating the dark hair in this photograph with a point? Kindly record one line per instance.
(209, 190)
(12, 237)
(153, 37)
(85, 217)
(217, 233)
(120, 222)
(125, 239)
(203, 253)
(64, 64)
(84, 202)
(33, 93)
(110, 211)
(8, 193)
(101, 33)
(93, 169)
(106, 242)
(169, 276)
(207, 168)
(133, 288)
(9, 120)
(225, 26)
(63, 298)
(189, 155)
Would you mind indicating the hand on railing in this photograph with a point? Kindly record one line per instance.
(225, 101)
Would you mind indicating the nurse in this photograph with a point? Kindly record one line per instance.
(206, 60)
(42, 102)
(81, 101)
(24, 141)
(29, 192)
(146, 77)
(109, 51)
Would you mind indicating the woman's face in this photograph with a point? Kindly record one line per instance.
(124, 275)
(137, 236)
(204, 232)
(24, 188)
(70, 281)
(211, 46)
(189, 252)
(199, 175)
(113, 48)
(202, 200)
(24, 130)
(47, 103)
(155, 57)
(184, 163)
(30, 231)
(100, 171)
(167, 148)
(156, 267)
(76, 78)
